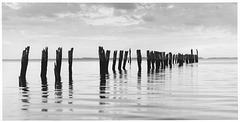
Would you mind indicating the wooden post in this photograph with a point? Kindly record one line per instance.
(152, 59)
(114, 60)
(148, 61)
(191, 59)
(170, 59)
(130, 58)
(161, 59)
(166, 60)
(139, 60)
(107, 61)
(24, 64)
(57, 68)
(44, 62)
(180, 59)
(102, 60)
(173, 59)
(120, 60)
(197, 56)
(125, 59)
(70, 58)
(157, 57)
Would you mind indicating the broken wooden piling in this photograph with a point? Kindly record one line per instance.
(157, 57)
(120, 60)
(102, 61)
(130, 58)
(24, 64)
(70, 58)
(125, 60)
(57, 67)
(148, 61)
(152, 59)
(170, 59)
(139, 60)
(107, 60)
(44, 62)
(114, 60)
(196, 56)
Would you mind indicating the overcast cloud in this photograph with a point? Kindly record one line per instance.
(211, 28)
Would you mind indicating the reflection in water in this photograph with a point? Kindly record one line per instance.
(44, 96)
(25, 98)
(58, 94)
(70, 94)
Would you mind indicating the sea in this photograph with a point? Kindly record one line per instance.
(207, 90)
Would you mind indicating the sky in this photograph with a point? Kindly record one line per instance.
(171, 27)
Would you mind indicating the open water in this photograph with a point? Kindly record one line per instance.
(201, 91)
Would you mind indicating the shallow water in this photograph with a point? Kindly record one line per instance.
(204, 90)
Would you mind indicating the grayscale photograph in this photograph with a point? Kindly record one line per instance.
(119, 61)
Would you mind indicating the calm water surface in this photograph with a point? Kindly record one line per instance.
(207, 90)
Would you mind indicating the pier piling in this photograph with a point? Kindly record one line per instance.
(70, 57)
(139, 60)
(24, 64)
(44, 62)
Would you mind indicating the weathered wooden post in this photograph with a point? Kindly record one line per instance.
(102, 60)
(70, 58)
(44, 62)
(24, 64)
(125, 60)
(107, 61)
(197, 56)
(148, 61)
(157, 57)
(163, 60)
(170, 59)
(57, 68)
(166, 60)
(139, 60)
(187, 58)
(130, 58)
(152, 59)
(180, 59)
(191, 57)
(120, 60)
(114, 60)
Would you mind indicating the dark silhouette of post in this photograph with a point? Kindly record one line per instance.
(102, 61)
(130, 58)
(139, 60)
(114, 60)
(192, 57)
(170, 59)
(70, 58)
(24, 64)
(166, 60)
(44, 63)
(120, 59)
(152, 59)
(148, 61)
(197, 56)
(107, 60)
(157, 57)
(125, 59)
(57, 67)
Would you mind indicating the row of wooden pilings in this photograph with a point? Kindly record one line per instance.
(155, 60)
(44, 62)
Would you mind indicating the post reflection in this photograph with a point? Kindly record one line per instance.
(70, 94)
(58, 95)
(24, 91)
(44, 96)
